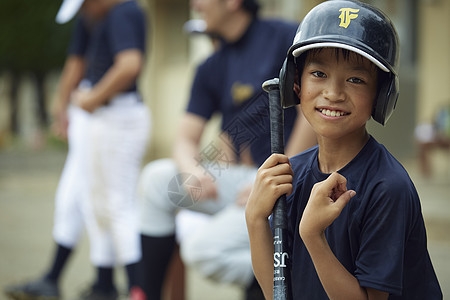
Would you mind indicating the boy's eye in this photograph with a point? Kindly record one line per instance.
(355, 80)
(318, 74)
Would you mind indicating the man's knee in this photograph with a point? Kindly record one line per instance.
(157, 170)
(156, 213)
(154, 179)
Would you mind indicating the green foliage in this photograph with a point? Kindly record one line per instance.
(30, 39)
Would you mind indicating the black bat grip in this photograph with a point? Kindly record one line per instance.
(281, 272)
(276, 119)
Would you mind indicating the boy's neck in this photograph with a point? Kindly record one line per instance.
(334, 154)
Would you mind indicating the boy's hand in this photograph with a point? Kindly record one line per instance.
(325, 204)
(274, 178)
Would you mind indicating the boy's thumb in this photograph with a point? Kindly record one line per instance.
(344, 199)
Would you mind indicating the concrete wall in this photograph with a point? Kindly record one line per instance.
(434, 57)
(167, 75)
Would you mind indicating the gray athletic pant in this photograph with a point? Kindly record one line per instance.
(220, 249)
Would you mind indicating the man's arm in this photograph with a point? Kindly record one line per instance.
(186, 152)
(127, 66)
(71, 76)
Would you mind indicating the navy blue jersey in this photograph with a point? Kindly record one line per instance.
(123, 28)
(379, 236)
(229, 82)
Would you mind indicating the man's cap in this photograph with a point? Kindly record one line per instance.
(68, 10)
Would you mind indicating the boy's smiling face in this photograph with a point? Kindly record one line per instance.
(337, 92)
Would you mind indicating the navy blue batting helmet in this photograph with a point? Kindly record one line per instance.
(354, 26)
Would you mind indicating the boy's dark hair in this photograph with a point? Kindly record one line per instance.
(252, 6)
(345, 53)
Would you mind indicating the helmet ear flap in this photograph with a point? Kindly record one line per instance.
(386, 100)
(287, 78)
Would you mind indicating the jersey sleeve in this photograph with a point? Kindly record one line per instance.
(126, 29)
(203, 100)
(79, 39)
(384, 234)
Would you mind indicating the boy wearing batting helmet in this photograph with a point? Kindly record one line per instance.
(355, 225)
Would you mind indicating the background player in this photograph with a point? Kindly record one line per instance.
(108, 128)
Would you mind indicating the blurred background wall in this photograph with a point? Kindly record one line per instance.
(173, 57)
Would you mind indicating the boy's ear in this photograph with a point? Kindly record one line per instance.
(297, 87)
(297, 90)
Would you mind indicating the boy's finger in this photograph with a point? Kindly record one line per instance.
(282, 168)
(342, 201)
(282, 179)
(274, 160)
(285, 188)
(335, 180)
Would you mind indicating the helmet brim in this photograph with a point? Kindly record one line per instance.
(298, 51)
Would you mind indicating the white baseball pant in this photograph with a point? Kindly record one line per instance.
(112, 143)
(72, 187)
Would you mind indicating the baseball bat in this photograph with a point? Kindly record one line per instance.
(281, 267)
